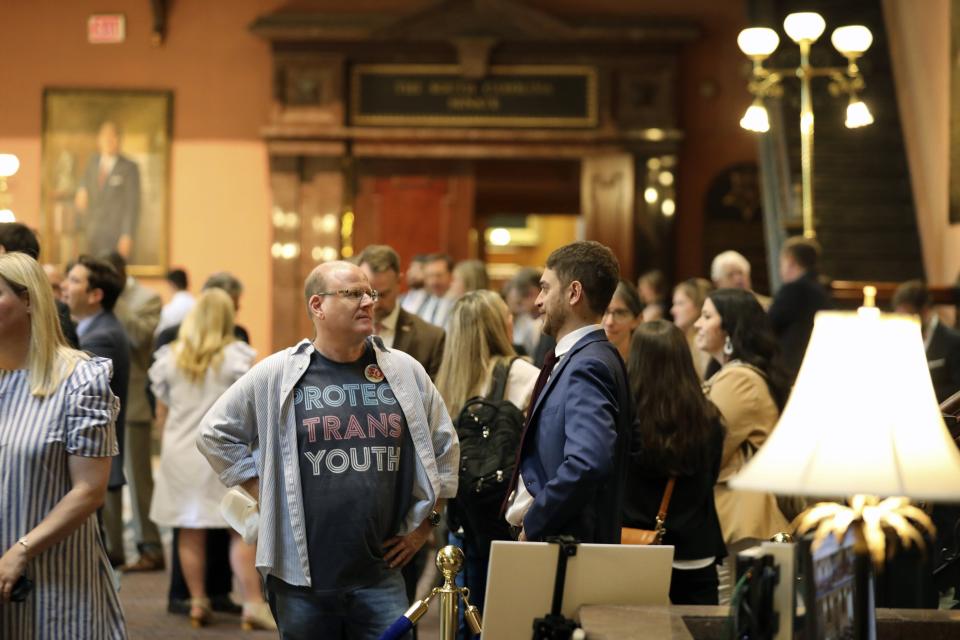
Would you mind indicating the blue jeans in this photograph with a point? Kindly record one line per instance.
(360, 614)
(473, 575)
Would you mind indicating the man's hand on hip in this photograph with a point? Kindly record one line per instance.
(399, 550)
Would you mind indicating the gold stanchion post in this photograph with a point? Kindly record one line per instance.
(449, 562)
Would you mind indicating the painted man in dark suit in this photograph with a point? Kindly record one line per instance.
(109, 196)
(574, 445)
(398, 328)
(797, 301)
(91, 290)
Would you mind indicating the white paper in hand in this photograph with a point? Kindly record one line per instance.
(240, 511)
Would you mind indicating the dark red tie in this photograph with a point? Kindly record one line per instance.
(548, 364)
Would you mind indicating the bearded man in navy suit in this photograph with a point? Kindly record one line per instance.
(575, 441)
(109, 195)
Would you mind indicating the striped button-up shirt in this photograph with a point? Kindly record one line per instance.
(251, 432)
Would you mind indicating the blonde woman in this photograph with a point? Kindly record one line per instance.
(478, 339)
(688, 297)
(187, 378)
(57, 438)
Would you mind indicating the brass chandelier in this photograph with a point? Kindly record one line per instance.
(758, 43)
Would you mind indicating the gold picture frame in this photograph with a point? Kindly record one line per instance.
(105, 175)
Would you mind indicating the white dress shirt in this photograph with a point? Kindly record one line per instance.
(175, 311)
(388, 327)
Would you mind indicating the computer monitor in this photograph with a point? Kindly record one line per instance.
(521, 577)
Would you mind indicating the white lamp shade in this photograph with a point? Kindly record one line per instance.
(758, 42)
(858, 115)
(756, 118)
(6, 215)
(854, 39)
(9, 164)
(806, 25)
(862, 419)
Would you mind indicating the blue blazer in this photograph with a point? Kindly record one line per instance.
(106, 337)
(574, 453)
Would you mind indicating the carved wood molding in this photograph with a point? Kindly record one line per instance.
(447, 21)
(850, 293)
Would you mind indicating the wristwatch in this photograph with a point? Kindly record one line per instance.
(434, 518)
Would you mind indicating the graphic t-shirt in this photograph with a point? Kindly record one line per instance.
(356, 469)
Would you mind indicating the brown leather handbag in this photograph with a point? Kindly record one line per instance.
(629, 535)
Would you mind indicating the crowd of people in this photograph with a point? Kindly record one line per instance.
(570, 402)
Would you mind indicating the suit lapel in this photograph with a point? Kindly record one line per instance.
(402, 332)
(558, 370)
(96, 323)
(936, 343)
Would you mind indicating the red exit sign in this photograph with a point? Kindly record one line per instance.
(106, 28)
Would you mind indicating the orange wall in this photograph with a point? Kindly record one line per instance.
(220, 76)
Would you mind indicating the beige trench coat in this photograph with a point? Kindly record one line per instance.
(740, 392)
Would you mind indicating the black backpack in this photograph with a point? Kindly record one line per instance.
(489, 430)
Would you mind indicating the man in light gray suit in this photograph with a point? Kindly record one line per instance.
(138, 310)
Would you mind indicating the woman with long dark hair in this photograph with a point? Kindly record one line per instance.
(677, 434)
(750, 389)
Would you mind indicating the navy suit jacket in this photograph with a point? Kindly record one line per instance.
(105, 337)
(573, 457)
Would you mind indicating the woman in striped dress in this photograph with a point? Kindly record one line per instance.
(57, 436)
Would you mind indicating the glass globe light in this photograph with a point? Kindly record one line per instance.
(802, 26)
(758, 42)
(858, 115)
(9, 164)
(756, 118)
(852, 40)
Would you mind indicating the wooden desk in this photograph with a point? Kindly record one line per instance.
(608, 622)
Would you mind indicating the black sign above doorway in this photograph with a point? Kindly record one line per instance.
(542, 96)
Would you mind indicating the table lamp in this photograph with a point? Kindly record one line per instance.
(862, 421)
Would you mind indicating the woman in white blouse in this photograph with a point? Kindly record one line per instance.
(187, 378)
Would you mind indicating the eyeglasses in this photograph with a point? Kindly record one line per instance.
(352, 294)
(620, 315)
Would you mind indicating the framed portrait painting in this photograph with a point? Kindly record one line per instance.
(105, 175)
